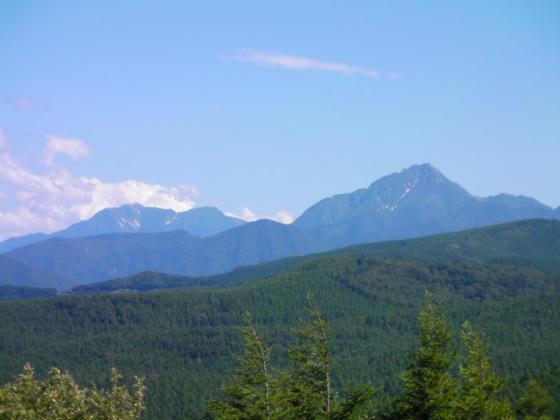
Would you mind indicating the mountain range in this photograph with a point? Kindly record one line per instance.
(120, 242)
(135, 218)
(100, 257)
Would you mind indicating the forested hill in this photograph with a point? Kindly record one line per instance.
(531, 243)
(184, 342)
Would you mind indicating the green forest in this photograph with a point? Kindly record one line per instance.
(184, 342)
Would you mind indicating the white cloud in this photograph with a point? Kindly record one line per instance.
(394, 75)
(302, 63)
(75, 148)
(52, 201)
(3, 141)
(250, 216)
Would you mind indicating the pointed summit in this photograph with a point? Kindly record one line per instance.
(416, 201)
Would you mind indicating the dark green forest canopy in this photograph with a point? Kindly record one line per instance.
(24, 292)
(183, 342)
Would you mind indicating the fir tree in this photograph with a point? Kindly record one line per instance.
(309, 391)
(253, 393)
(478, 397)
(535, 403)
(304, 391)
(428, 386)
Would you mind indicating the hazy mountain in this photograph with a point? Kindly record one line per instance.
(17, 241)
(16, 273)
(529, 243)
(417, 201)
(200, 221)
(101, 257)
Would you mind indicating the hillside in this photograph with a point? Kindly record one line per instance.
(183, 342)
(415, 202)
(16, 273)
(532, 243)
(94, 258)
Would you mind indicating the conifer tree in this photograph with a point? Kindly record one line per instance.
(535, 403)
(428, 386)
(308, 386)
(478, 397)
(253, 393)
(304, 391)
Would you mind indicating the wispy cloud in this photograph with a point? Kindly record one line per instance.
(75, 148)
(22, 102)
(26, 103)
(302, 63)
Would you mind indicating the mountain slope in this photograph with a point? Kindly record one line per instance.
(102, 256)
(417, 201)
(529, 243)
(16, 273)
(17, 241)
(129, 218)
(94, 258)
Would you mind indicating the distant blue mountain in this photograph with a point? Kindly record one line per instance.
(102, 257)
(17, 273)
(200, 221)
(415, 202)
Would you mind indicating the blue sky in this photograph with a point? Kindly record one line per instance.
(264, 108)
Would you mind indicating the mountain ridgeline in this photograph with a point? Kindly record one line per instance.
(135, 218)
(94, 258)
(418, 201)
(120, 242)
